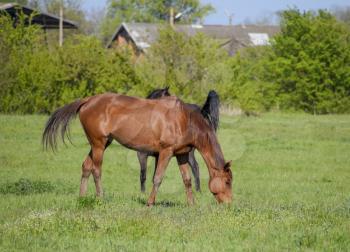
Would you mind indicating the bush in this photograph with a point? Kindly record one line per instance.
(248, 86)
(36, 79)
(306, 67)
(190, 66)
(311, 63)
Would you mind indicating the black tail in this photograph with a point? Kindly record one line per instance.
(210, 109)
(60, 120)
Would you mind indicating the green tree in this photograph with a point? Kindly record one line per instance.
(249, 87)
(88, 68)
(307, 67)
(312, 62)
(17, 47)
(191, 66)
(36, 79)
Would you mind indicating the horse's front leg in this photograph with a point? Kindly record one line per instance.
(182, 161)
(163, 161)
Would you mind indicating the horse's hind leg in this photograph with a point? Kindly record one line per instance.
(97, 157)
(86, 171)
(195, 170)
(92, 164)
(142, 156)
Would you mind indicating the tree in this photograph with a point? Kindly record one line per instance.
(119, 11)
(249, 87)
(306, 67)
(36, 79)
(311, 62)
(17, 47)
(191, 66)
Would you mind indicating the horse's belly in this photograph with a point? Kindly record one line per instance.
(135, 135)
(144, 130)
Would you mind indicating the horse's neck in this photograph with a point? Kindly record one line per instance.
(208, 146)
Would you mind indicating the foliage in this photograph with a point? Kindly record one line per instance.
(38, 79)
(17, 47)
(23, 2)
(307, 67)
(191, 66)
(248, 87)
(312, 62)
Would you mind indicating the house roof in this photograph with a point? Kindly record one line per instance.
(230, 36)
(46, 20)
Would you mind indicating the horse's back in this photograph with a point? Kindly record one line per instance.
(137, 123)
(114, 99)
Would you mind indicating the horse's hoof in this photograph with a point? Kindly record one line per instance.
(149, 204)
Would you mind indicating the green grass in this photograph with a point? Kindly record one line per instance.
(291, 192)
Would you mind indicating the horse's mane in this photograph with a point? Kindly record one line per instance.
(158, 93)
(206, 136)
(210, 109)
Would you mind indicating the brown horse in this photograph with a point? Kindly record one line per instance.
(210, 112)
(166, 126)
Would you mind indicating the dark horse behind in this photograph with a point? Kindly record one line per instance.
(166, 126)
(210, 112)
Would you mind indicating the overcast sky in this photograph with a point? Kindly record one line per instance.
(246, 10)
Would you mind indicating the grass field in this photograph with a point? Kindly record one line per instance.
(291, 192)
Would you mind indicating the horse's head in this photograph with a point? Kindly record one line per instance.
(220, 184)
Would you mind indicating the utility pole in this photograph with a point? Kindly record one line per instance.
(230, 17)
(61, 25)
(171, 17)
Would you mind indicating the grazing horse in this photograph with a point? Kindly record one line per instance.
(166, 126)
(210, 111)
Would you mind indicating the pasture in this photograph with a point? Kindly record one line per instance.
(291, 192)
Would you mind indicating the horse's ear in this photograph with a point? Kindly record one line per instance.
(166, 91)
(228, 165)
